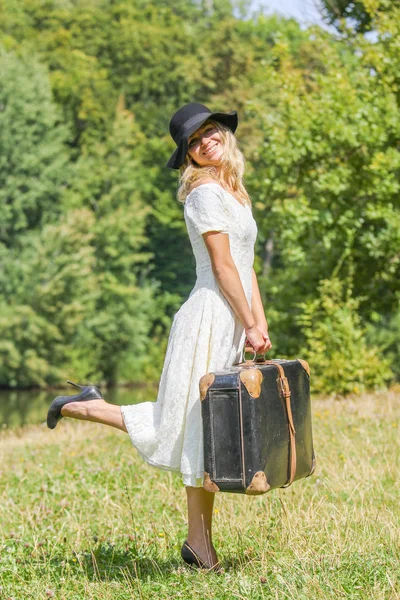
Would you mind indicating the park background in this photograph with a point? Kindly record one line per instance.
(95, 260)
(95, 257)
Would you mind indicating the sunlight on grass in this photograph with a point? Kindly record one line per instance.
(83, 517)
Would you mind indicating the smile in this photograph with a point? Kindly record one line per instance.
(210, 150)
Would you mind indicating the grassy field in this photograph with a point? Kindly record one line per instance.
(83, 517)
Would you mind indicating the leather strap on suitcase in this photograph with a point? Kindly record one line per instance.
(283, 386)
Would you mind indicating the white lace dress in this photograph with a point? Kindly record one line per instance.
(205, 336)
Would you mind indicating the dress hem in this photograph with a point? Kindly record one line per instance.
(185, 476)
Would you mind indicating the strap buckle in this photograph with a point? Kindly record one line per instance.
(284, 387)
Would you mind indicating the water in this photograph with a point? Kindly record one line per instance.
(29, 407)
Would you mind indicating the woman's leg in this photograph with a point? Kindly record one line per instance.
(98, 411)
(200, 502)
(200, 512)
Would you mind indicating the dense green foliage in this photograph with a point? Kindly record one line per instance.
(94, 253)
(358, 14)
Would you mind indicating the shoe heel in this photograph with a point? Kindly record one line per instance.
(80, 387)
(190, 557)
(193, 559)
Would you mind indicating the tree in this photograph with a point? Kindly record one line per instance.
(48, 288)
(360, 16)
(109, 181)
(319, 128)
(33, 151)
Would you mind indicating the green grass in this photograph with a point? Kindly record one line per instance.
(83, 517)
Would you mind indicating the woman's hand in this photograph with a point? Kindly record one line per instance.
(258, 338)
(268, 343)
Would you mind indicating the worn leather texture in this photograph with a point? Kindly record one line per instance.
(246, 436)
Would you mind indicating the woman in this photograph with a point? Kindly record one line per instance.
(209, 330)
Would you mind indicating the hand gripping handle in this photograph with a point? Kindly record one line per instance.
(258, 357)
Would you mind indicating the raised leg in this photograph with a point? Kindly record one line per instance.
(200, 512)
(98, 411)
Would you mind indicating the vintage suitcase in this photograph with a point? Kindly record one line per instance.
(257, 426)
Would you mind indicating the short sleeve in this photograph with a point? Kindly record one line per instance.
(205, 209)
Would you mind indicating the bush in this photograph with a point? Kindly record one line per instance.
(341, 360)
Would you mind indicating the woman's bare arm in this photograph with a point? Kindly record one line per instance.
(257, 310)
(228, 279)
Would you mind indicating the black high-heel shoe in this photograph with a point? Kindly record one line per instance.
(88, 392)
(192, 558)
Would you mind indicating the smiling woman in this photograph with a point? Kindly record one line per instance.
(213, 154)
(205, 146)
(208, 331)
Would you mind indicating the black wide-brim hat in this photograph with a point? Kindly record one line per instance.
(185, 122)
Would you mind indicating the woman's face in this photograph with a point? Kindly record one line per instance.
(205, 145)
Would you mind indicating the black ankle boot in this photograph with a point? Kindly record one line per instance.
(89, 392)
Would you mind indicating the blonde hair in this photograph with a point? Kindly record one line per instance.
(231, 174)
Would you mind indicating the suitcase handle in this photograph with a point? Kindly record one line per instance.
(247, 349)
(257, 357)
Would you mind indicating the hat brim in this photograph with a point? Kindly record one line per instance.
(229, 119)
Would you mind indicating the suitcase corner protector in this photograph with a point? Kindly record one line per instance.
(205, 383)
(208, 484)
(305, 365)
(252, 380)
(259, 484)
